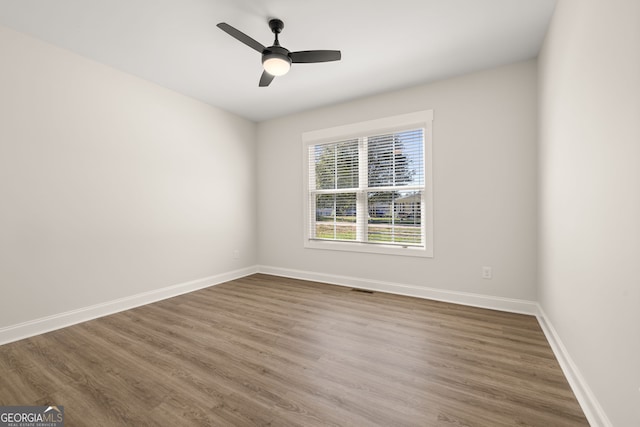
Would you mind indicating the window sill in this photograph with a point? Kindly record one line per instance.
(411, 251)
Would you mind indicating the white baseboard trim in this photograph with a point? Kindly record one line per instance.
(465, 298)
(50, 323)
(590, 405)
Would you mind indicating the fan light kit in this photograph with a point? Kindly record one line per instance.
(276, 60)
(276, 65)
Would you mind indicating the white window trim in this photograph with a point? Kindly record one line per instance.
(420, 119)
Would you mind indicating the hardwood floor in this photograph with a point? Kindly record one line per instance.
(265, 350)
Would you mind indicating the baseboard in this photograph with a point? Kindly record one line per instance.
(47, 324)
(590, 405)
(465, 298)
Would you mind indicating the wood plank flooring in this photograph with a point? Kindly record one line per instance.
(265, 350)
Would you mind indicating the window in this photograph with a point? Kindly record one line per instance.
(368, 186)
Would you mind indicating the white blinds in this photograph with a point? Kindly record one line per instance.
(336, 165)
(369, 189)
(396, 159)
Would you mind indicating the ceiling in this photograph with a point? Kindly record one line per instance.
(385, 45)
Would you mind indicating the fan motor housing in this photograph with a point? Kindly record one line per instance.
(276, 52)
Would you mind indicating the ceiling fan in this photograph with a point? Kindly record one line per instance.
(276, 60)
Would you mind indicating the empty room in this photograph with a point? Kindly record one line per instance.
(320, 213)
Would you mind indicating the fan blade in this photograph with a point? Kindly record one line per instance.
(307, 56)
(240, 36)
(266, 79)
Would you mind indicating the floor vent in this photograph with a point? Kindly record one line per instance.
(364, 291)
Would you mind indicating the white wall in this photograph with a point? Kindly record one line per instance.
(590, 196)
(485, 163)
(111, 186)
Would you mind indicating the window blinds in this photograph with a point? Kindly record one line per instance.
(369, 189)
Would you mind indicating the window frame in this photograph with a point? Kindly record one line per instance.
(415, 120)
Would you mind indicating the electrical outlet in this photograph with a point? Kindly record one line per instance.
(236, 254)
(487, 273)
